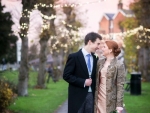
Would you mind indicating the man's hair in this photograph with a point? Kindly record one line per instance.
(91, 36)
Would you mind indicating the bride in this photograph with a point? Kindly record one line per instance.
(110, 80)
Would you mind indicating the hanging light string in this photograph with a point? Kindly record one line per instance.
(60, 6)
(66, 5)
(48, 17)
(45, 17)
(46, 26)
(140, 33)
(24, 25)
(69, 43)
(127, 33)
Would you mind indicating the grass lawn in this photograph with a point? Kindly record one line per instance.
(48, 100)
(140, 103)
(38, 101)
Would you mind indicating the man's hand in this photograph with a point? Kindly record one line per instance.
(88, 82)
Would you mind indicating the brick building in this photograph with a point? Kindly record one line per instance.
(109, 22)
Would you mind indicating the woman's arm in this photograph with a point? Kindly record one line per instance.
(120, 84)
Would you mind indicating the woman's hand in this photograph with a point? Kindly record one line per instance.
(119, 109)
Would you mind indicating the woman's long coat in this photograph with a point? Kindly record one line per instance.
(115, 78)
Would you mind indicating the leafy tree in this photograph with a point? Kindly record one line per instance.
(7, 39)
(11, 56)
(130, 42)
(57, 49)
(142, 11)
(129, 23)
(131, 53)
(68, 40)
(139, 41)
(71, 19)
(47, 32)
(74, 41)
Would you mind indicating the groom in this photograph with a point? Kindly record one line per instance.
(80, 73)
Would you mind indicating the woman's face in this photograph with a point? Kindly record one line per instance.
(105, 50)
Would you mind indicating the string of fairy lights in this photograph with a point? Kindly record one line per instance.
(66, 5)
(24, 25)
(129, 33)
(142, 37)
(47, 18)
(78, 38)
(65, 32)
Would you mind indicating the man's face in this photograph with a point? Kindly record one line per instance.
(99, 50)
(94, 45)
(101, 45)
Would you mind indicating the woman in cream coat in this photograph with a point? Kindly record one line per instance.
(110, 80)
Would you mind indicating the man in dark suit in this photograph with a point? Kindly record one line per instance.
(80, 73)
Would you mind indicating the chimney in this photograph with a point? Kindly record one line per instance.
(120, 5)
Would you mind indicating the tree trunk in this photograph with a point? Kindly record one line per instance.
(57, 66)
(144, 63)
(23, 71)
(43, 42)
(42, 63)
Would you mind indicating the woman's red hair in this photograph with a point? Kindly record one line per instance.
(114, 46)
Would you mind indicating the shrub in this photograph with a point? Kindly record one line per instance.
(12, 86)
(6, 95)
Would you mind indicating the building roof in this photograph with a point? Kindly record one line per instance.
(109, 15)
(126, 13)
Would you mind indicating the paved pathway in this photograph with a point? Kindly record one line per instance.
(63, 108)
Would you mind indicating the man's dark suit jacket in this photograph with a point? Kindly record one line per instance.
(75, 73)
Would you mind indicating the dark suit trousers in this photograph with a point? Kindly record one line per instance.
(88, 105)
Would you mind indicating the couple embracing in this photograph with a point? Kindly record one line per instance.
(95, 84)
